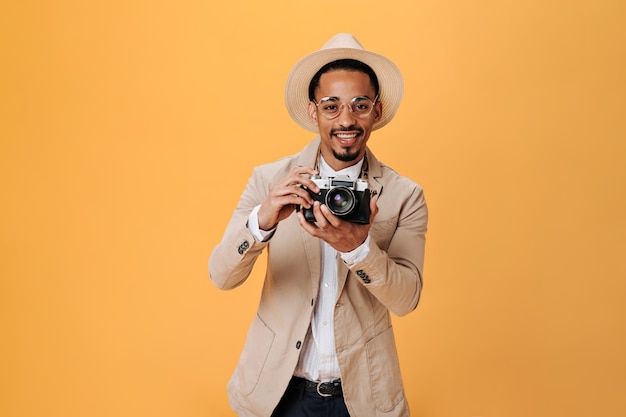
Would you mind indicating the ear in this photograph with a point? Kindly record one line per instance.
(312, 111)
(378, 111)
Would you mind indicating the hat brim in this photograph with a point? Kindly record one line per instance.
(297, 88)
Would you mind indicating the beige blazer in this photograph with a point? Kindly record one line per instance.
(388, 279)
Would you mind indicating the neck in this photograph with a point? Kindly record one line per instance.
(356, 170)
(338, 164)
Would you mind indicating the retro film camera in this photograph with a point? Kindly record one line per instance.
(345, 198)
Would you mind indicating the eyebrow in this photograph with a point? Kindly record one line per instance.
(335, 98)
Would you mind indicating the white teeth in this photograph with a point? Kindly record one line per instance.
(344, 136)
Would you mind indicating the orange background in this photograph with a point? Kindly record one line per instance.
(128, 130)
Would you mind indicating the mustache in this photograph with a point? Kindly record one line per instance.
(347, 129)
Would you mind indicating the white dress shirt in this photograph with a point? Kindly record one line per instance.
(318, 360)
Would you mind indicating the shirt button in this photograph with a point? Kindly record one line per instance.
(298, 344)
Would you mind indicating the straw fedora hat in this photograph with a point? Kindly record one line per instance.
(342, 46)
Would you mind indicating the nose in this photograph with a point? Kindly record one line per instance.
(345, 118)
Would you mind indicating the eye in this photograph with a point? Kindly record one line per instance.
(361, 105)
(329, 107)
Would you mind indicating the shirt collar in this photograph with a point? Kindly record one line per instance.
(353, 171)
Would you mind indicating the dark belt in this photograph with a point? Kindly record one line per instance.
(323, 389)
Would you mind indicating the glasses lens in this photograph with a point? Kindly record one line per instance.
(361, 106)
(329, 107)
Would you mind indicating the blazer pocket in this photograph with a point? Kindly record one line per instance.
(383, 231)
(254, 355)
(384, 371)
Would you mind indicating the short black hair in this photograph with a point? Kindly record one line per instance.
(347, 65)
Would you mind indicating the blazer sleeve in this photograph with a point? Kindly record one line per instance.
(234, 257)
(394, 276)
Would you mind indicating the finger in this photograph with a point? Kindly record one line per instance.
(309, 227)
(283, 202)
(299, 181)
(310, 184)
(302, 176)
(297, 200)
(301, 193)
(291, 190)
(300, 170)
(298, 174)
(329, 216)
(373, 208)
(322, 215)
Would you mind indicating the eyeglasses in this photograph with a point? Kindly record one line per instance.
(331, 107)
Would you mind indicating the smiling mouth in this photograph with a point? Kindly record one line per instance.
(346, 136)
(346, 140)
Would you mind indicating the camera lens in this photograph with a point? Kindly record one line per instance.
(340, 201)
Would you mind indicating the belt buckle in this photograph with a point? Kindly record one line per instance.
(319, 384)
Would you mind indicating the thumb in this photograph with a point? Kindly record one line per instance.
(373, 208)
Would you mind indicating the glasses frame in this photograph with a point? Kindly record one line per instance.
(343, 104)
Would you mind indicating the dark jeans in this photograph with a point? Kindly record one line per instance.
(296, 402)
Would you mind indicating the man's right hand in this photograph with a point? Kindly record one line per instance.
(285, 196)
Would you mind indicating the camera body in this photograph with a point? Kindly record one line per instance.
(346, 198)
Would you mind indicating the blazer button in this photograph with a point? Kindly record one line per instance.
(361, 274)
(298, 344)
(242, 248)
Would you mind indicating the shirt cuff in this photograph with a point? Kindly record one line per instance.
(358, 254)
(253, 226)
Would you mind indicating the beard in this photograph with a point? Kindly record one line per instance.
(346, 156)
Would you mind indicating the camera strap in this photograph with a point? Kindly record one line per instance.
(364, 167)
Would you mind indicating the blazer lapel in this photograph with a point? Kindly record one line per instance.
(312, 245)
(374, 172)
(313, 252)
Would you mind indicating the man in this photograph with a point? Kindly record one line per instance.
(322, 343)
